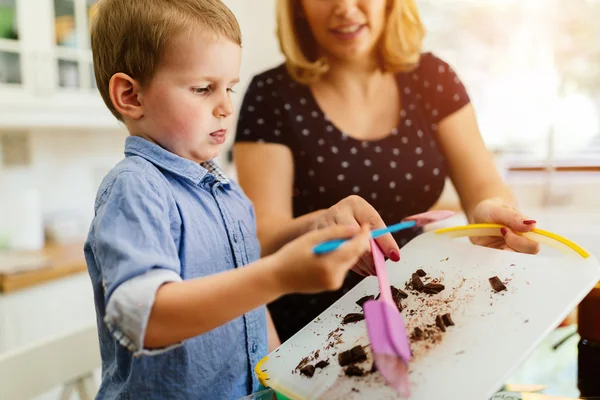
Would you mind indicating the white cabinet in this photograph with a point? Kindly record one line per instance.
(46, 75)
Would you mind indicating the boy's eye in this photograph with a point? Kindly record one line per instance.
(200, 90)
(230, 90)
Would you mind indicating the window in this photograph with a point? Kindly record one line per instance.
(532, 68)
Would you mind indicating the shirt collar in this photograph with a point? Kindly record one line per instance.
(135, 145)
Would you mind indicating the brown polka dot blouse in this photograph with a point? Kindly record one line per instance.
(399, 175)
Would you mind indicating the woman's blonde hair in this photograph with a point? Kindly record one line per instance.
(399, 45)
(131, 36)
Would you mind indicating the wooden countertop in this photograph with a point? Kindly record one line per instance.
(64, 260)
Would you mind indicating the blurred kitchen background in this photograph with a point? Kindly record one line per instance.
(532, 68)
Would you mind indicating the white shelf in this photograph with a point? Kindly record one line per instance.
(10, 45)
(77, 109)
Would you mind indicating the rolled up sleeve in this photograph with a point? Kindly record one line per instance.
(136, 253)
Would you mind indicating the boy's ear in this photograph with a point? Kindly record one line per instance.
(124, 92)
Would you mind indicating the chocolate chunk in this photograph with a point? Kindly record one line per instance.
(354, 355)
(358, 353)
(497, 284)
(421, 273)
(302, 363)
(361, 302)
(353, 317)
(418, 333)
(373, 368)
(433, 288)
(417, 283)
(447, 319)
(399, 304)
(398, 293)
(309, 371)
(354, 370)
(322, 364)
(345, 358)
(440, 323)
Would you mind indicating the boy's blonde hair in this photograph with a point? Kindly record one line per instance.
(130, 36)
(399, 46)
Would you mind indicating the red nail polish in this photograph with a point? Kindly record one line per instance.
(503, 231)
(394, 256)
(529, 221)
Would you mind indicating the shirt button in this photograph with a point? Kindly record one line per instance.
(254, 347)
(235, 237)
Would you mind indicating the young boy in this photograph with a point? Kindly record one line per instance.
(172, 248)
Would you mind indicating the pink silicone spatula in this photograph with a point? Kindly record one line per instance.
(385, 326)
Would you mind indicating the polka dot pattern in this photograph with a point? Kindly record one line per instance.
(401, 174)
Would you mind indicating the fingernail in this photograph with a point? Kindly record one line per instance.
(503, 231)
(394, 256)
(529, 221)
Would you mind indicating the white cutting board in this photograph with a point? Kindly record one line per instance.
(494, 332)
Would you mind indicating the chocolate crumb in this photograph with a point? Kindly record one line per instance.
(421, 273)
(447, 319)
(440, 323)
(497, 284)
(526, 321)
(433, 288)
(354, 355)
(316, 354)
(355, 390)
(322, 364)
(417, 283)
(353, 317)
(361, 302)
(309, 371)
(460, 352)
(373, 368)
(354, 370)
(418, 333)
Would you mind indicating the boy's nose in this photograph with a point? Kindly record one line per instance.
(224, 108)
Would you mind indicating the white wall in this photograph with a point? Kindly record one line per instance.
(259, 43)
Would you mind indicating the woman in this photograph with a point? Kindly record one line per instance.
(357, 112)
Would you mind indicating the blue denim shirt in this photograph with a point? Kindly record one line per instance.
(161, 218)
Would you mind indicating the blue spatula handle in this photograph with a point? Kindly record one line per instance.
(331, 245)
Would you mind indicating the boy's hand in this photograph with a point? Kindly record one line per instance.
(299, 270)
(355, 211)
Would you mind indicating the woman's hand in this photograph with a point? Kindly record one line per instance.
(355, 211)
(496, 211)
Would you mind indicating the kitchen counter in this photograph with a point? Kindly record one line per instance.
(62, 261)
